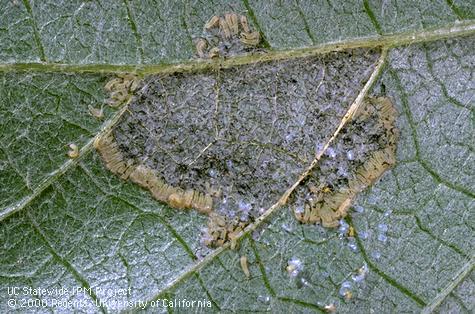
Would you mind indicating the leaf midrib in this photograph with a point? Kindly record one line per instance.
(451, 30)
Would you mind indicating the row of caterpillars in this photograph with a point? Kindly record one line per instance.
(220, 229)
(148, 178)
(328, 207)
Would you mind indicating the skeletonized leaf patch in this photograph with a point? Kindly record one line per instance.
(230, 142)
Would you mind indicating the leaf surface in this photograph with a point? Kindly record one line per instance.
(71, 223)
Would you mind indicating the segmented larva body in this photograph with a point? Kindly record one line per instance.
(328, 208)
(212, 23)
(97, 113)
(250, 39)
(110, 153)
(232, 22)
(73, 151)
(244, 266)
(224, 28)
(214, 52)
(330, 308)
(191, 199)
(245, 24)
(148, 178)
(201, 46)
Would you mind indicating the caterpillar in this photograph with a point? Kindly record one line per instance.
(244, 266)
(245, 24)
(97, 113)
(330, 308)
(214, 52)
(201, 46)
(250, 39)
(74, 151)
(212, 23)
(224, 28)
(327, 207)
(232, 22)
(112, 156)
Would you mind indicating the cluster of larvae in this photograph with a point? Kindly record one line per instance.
(326, 206)
(325, 200)
(220, 230)
(225, 35)
(149, 178)
(121, 89)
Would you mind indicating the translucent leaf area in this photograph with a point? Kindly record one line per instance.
(247, 132)
(407, 244)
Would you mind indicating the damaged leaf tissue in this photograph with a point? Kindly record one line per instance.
(250, 156)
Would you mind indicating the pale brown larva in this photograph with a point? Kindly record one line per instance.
(212, 23)
(245, 24)
(244, 266)
(223, 229)
(250, 39)
(191, 199)
(112, 157)
(121, 89)
(232, 22)
(229, 26)
(214, 52)
(224, 28)
(201, 46)
(74, 151)
(334, 206)
(330, 308)
(97, 113)
(148, 178)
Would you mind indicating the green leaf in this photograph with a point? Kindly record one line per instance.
(70, 223)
